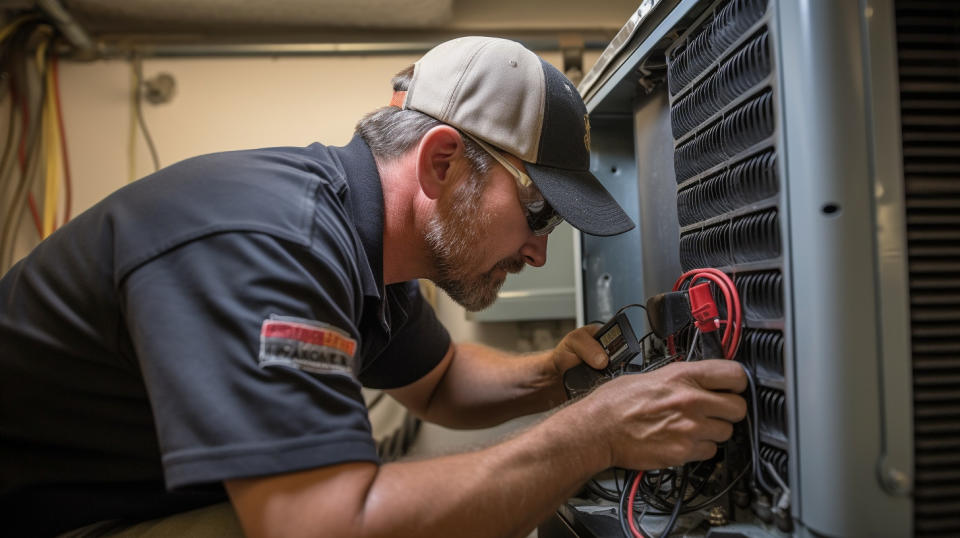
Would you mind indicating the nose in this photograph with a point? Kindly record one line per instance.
(534, 251)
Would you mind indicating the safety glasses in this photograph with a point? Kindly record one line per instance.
(541, 217)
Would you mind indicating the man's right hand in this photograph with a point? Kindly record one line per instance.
(669, 416)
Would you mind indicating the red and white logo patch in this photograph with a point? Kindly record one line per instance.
(305, 344)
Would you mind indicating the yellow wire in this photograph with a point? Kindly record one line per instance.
(41, 55)
(52, 147)
(9, 29)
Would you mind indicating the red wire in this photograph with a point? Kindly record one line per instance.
(63, 142)
(730, 297)
(731, 334)
(637, 533)
(734, 314)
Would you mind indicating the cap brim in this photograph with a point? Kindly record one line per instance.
(580, 199)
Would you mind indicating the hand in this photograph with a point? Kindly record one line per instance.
(669, 416)
(579, 346)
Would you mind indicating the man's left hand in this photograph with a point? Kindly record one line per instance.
(579, 346)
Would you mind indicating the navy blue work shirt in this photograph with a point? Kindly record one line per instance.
(214, 320)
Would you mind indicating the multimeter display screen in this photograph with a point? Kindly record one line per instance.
(610, 336)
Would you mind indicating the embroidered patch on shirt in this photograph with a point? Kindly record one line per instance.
(306, 344)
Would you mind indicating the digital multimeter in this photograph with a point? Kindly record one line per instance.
(621, 345)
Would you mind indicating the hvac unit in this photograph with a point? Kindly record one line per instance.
(811, 151)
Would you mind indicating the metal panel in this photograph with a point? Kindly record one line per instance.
(830, 194)
(896, 465)
(657, 191)
(612, 266)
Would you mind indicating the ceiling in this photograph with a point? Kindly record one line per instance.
(193, 27)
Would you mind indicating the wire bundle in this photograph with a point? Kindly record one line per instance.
(732, 325)
(35, 153)
(665, 490)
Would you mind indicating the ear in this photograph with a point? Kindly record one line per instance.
(437, 153)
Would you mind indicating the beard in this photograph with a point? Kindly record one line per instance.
(451, 238)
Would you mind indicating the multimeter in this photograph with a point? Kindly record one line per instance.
(621, 345)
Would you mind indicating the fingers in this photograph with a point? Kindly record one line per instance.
(670, 416)
(716, 431)
(711, 434)
(702, 451)
(718, 374)
(723, 406)
(580, 346)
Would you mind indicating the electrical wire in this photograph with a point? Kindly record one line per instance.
(64, 154)
(639, 484)
(7, 158)
(10, 28)
(632, 526)
(730, 340)
(29, 147)
(624, 505)
(631, 305)
(132, 129)
(34, 210)
(51, 144)
(11, 224)
(639, 491)
(138, 111)
(604, 493)
(678, 506)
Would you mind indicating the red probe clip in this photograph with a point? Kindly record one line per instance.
(704, 308)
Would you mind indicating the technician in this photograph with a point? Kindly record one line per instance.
(202, 334)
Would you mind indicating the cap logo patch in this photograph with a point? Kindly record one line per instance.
(586, 128)
(307, 345)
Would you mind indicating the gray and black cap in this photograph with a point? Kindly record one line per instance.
(504, 94)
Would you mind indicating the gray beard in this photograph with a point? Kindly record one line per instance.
(450, 238)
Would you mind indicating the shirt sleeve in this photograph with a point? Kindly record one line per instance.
(224, 407)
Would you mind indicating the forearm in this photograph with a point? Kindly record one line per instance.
(505, 490)
(484, 387)
(665, 418)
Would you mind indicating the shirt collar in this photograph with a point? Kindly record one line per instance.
(364, 202)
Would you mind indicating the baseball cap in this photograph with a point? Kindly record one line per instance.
(502, 93)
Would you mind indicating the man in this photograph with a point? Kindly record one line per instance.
(203, 333)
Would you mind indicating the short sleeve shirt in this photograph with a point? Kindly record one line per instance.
(214, 320)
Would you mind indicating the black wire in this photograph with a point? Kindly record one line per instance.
(678, 506)
(716, 497)
(754, 432)
(631, 305)
(624, 505)
(606, 494)
(138, 71)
